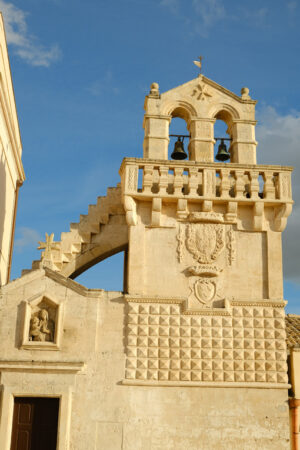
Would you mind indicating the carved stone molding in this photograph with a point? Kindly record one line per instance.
(212, 384)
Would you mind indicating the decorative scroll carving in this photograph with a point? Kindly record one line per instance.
(210, 217)
(132, 179)
(130, 208)
(281, 215)
(204, 270)
(41, 327)
(205, 241)
(180, 240)
(231, 246)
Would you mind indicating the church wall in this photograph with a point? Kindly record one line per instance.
(103, 408)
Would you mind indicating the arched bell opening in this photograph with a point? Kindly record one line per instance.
(178, 135)
(222, 137)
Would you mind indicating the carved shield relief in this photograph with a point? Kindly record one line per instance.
(205, 241)
(205, 290)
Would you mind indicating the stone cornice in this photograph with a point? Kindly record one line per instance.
(41, 366)
(212, 384)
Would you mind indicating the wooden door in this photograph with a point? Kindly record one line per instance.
(35, 422)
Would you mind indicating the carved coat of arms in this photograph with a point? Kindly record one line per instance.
(205, 241)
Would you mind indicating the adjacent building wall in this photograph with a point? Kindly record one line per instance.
(11, 169)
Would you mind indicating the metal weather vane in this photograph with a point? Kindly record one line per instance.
(199, 63)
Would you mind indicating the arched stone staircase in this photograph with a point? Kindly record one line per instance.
(99, 234)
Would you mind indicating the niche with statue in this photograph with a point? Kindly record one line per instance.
(42, 324)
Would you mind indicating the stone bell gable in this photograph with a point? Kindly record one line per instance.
(200, 102)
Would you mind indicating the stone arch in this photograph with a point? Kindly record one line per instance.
(224, 112)
(181, 109)
(112, 240)
(98, 235)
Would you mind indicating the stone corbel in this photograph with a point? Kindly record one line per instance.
(281, 216)
(130, 208)
(231, 214)
(258, 210)
(182, 208)
(207, 206)
(156, 212)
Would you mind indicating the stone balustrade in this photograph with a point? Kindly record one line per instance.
(213, 181)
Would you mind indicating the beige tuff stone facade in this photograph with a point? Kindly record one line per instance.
(11, 168)
(192, 355)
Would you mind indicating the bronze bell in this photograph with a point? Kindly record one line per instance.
(178, 152)
(222, 154)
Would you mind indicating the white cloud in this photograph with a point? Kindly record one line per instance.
(27, 237)
(172, 5)
(279, 143)
(292, 6)
(104, 84)
(26, 45)
(210, 11)
(205, 12)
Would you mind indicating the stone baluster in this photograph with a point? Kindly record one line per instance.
(225, 183)
(163, 179)
(269, 186)
(178, 181)
(209, 183)
(193, 181)
(148, 179)
(239, 186)
(254, 184)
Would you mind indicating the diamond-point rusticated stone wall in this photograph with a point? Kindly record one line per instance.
(245, 347)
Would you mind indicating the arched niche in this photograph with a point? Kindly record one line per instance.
(183, 114)
(223, 123)
(240, 130)
(178, 126)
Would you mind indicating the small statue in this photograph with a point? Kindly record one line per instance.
(39, 327)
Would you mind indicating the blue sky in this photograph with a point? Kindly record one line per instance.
(81, 71)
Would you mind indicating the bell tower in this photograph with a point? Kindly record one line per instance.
(200, 103)
(205, 281)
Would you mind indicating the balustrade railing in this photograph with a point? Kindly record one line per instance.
(207, 180)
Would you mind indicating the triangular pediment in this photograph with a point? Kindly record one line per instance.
(37, 281)
(203, 88)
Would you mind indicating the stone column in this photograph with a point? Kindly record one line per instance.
(156, 140)
(201, 146)
(156, 126)
(243, 146)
